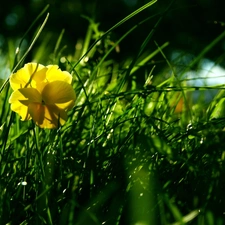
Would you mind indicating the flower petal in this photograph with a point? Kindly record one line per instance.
(31, 94)
(65, 106)
(47, 116)
(59, 92)
(17, 106)
(42, 93)
(54, 73)
(23, 77)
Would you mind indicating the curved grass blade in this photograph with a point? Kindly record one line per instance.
(114, 27)
(26, 53)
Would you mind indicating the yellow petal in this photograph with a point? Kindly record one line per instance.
(54, 73)
(17, 106)
(47, 116)
(21, 98)
(23, 77)
(19, 79)
(66, 106)
(37, 72)
(31, 94)
(59, 92)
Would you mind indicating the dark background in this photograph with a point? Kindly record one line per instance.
(189, 25)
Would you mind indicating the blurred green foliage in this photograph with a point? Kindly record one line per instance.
(188, 26)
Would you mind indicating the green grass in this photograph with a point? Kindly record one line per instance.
(135, 150)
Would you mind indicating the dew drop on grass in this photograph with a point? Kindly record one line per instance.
(62, 59)
(189, 127)
(24, 183)
(202, 140)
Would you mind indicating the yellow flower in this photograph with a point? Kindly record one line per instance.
(43, 94)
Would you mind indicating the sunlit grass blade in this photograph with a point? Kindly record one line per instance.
(56, 49)
(25, 34)
(27, 51)
(117, 25)
(146, 59)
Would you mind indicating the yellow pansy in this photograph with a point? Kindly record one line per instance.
(43, 94)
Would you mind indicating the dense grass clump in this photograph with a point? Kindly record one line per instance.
(137, 147)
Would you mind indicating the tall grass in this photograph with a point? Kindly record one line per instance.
(133, 151)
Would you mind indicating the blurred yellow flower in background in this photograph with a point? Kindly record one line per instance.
(43, 94)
